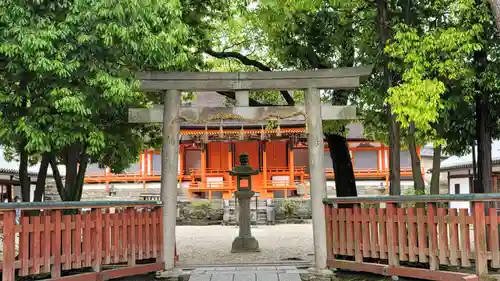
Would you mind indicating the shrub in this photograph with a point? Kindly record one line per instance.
(200, 209)
(289, 207)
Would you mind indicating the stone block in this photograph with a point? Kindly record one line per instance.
(245, 245)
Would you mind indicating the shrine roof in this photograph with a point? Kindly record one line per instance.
(355, 129)
(213, 99)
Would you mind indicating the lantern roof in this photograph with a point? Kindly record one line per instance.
(243, 169)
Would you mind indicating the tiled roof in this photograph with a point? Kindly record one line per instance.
(464, 162)
(12, 167)
(248, 132)
(428, 151)
(213, 99)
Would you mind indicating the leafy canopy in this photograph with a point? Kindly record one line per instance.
(67, 74)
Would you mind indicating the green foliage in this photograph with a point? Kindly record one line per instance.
(427, 62)
(67, 77)
(66, 67)
(290, 207)
(413, 192)
(200, 209)
(316, 34)
(336, 127)
(431, 53)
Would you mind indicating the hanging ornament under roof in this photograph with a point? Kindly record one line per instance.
(306, 130)
(278, 128)
(221, 130)
(205, 134)
(241, 135)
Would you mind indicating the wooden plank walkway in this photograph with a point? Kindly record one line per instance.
(264, 273)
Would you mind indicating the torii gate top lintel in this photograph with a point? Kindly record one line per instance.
(338, 78)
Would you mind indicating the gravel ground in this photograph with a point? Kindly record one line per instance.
(212, 244)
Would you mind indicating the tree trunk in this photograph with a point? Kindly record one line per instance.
(345, 182)
(436, 169)
(58, 179)
(394, 156)
(42, 177)
(495, 7)
(80, 179)
(484, 163)
(24, 179)
(394, 127)
(416, 168)
(71, 161)
(76, 164)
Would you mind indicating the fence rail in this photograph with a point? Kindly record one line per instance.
(414, 241)
(99, 236)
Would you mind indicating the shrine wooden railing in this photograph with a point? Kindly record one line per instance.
(373, 173)
(265, 188)
(285, 171)
(389, 235)
(127, 177)
(193, 174)
(90, 241)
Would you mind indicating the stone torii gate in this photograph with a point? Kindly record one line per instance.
(170, 84)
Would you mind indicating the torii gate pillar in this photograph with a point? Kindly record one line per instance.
(170, 158)
(318, 181)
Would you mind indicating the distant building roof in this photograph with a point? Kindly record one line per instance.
(464, 162)
(428, 151)
(12, 167)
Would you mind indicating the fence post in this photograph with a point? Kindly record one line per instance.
(55, 271)
(433, 241)
(97, 245)
(9, 248)
(480, 238)
(131, 212)
(392, 234)
(159, 214)
(358, 238)
(329, 232)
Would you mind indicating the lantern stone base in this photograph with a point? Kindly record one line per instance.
(245, 244)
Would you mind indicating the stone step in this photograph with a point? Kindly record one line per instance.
(266, 273)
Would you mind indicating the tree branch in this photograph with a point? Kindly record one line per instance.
(243, 59)
(83, 163)
(314, 60)
(250, 62)
(57, 178)
(42, 177)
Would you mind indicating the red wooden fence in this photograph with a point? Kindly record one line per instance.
(54, 243)
(414, 242)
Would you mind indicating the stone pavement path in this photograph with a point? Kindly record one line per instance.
(267, 273)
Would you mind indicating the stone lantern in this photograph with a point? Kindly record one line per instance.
(245, 242)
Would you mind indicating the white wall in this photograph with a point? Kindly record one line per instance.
(370, 187)
(427, 164)
(464, 189)
(17, 189)
(102, 186)
(17, 192)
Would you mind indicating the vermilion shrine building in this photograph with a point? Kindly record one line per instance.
(208, 151)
